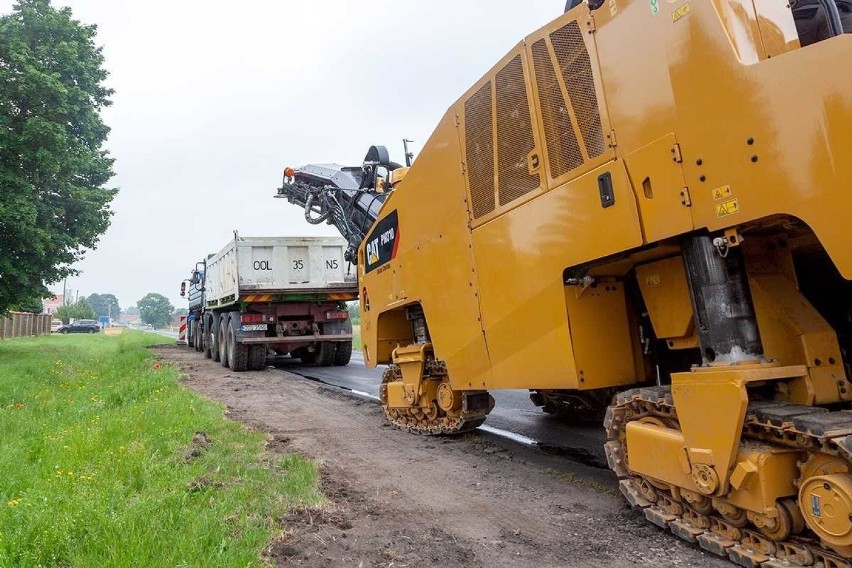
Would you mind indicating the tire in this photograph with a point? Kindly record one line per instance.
(92, 331)
(238, 354)
(206, 339)
(343, 353)
(214, 337)
(257, 357)
(223, 339)
(63, 331)
(199, 330)
(326, 353)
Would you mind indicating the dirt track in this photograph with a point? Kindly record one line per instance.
(403, 500)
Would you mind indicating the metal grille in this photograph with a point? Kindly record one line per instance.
(577, 71)
(515, 139)
(562, 146)
(479, 143)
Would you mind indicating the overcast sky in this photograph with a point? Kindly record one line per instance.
(213, 99)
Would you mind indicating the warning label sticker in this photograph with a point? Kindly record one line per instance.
(727, 208)
(681, 12)
(721, 192)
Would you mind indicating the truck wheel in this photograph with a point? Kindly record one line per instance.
(343, 354)
(326, 353)
(214, 337)
(223, 339)
(257, 357)
(200, 336)
(238, 353)
(206, 338)
(196, 334)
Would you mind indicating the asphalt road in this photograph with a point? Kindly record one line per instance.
(172, 334)
(513, 412)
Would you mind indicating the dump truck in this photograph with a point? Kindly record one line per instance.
(640, 212)
(272, 295)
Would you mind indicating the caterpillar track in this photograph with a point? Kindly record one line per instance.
(825, 436)
(433, 421)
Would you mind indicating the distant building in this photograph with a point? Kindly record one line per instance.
(130, 319)
(50, 305)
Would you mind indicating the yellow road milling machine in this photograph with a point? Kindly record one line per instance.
(642, 205)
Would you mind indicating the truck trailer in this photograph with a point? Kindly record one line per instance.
(272, 295)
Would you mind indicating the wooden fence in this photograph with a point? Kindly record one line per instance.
(21, 324)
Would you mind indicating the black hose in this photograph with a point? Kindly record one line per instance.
(832, 15)
(313, 220)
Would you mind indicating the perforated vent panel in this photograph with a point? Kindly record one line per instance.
(576, 69)
(562, 146)
(479, 143)
(515, 139)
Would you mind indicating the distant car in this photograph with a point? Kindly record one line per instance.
(80, 326)
(55, 325)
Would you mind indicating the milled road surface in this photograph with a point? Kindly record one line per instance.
(513, 411)
(403, 500)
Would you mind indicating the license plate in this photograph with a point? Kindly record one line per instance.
(254, 327)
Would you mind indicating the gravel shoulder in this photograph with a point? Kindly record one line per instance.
(397, 499)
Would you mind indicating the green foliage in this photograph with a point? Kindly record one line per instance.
(155, 309)
(181, 312)
(132, 311)
(53, 204)
(81, 310)
(100, 464)
(354, 314)
(105, 305)
(356, 337)
(32, 305)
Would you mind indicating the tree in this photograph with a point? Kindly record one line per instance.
(80, 310)
(181, 312)
(32, 305)
(132, 311)
(155, 309)
(53, 203)
(105, 305)
(354, 314)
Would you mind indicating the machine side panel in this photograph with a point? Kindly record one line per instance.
(433, 261)
(520, 258)
(760, 137)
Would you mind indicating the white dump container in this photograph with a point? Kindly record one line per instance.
(276, 266)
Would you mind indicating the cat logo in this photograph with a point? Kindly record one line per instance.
(383, 242)
(373, 252)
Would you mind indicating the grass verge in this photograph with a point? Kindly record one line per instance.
(108, 461)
